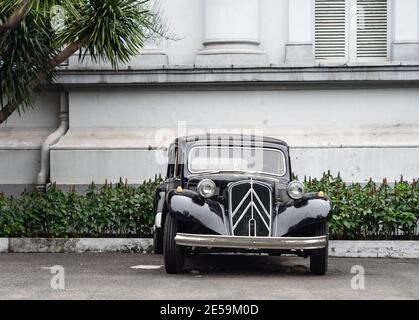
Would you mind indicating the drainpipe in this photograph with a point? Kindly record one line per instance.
(43, 175)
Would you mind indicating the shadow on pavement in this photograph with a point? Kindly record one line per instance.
(232, 264)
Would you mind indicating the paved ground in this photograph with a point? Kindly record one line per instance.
(111, 276)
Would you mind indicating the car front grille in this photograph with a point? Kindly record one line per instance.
(250, 208)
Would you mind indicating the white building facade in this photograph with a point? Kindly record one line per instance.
(337, 79)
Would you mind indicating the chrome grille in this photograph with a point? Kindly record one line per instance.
(250, 208)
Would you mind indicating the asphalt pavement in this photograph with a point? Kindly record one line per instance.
(139, 276)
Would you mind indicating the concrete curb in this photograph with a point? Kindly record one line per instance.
(115, 245)
(337, 248)
(79, 245)
(4, 244)
(374, 249)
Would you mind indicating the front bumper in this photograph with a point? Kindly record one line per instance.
(236, 242)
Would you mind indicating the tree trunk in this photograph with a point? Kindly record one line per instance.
(55, 62)
(17, 17)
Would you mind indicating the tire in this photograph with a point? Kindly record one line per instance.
(157, 241)
(174, 255)
(319, 257)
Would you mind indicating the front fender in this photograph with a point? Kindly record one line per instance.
(293, 216)
(159, 201)
(159, 196)
(190, 206)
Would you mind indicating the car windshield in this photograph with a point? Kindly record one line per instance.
(240, 159)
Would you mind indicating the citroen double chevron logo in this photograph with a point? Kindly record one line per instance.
(251, 205)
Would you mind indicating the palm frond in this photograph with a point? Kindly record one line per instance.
(23, 53)
(111, 31)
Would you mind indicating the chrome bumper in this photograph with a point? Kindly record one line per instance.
(219, 241)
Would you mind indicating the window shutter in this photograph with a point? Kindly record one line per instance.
(330, 29)
(371, 31)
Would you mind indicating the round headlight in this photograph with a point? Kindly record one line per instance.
(206, 188)
(296, 190)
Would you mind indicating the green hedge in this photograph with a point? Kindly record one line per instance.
(118, 210)
(372, 211)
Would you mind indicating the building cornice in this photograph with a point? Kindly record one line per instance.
(275, 76)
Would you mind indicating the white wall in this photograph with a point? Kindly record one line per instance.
(357, 164)
(84, 166)
(21, 138)
(362, 133)
(280, 22)
(185, 19)
(275, 108)
(273, 30)
(368, 132)
(43, 115)
(406, 17)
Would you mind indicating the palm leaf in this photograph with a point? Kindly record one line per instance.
(111, 31)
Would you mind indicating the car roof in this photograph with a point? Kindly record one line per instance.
(216, 138)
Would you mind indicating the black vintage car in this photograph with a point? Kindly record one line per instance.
(232, 194)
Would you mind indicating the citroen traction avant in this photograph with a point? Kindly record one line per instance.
(229, 193)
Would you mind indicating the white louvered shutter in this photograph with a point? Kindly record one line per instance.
(371, 28)
(330, 29)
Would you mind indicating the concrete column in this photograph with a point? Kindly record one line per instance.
(231, 34)
(299, 48)
(150, 55)
(405, 46)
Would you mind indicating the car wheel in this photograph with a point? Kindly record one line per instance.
(174, 255)
(157, 241)
(319, 257)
